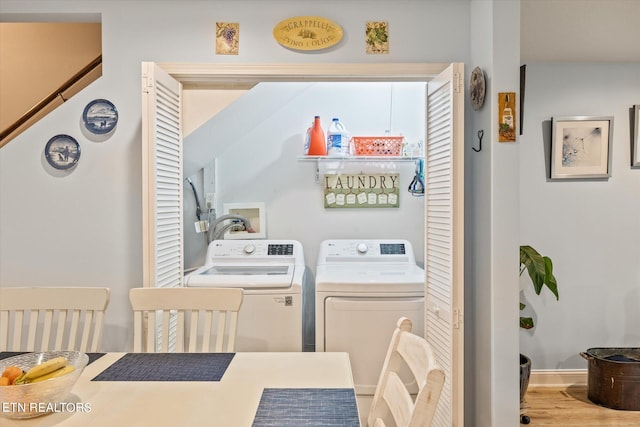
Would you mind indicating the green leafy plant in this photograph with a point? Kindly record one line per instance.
(540, 269)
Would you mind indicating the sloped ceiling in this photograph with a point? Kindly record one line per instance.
(37, 58)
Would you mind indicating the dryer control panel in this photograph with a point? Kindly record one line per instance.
(366, 250)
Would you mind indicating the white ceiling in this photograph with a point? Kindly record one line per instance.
(580, 30)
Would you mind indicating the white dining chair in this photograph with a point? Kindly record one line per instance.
(52, 318)
(392, 399)
(162, 317)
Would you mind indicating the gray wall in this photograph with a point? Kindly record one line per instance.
(84, 228)
(590, 229)
(491, 232)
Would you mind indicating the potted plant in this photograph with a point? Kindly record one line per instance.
(540, 269)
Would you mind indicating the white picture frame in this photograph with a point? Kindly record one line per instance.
(255, 213)
(581, 147)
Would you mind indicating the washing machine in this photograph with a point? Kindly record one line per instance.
(362, 288)
(277, 312)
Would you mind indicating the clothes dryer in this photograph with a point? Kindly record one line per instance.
(362, 288)
(277, 312)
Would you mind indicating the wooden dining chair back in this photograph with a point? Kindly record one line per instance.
(184, 319)
(392, 400)
(52, 318)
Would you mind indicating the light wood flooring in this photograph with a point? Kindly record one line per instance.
(570, 407)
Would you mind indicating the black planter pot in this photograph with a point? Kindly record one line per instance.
(525, 373)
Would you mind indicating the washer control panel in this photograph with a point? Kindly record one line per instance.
(286, 249)
(263, 249)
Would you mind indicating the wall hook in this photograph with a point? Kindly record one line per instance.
(480, 135)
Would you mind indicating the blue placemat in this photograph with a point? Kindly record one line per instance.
(307, 407)
(167, 367)
(5, 354)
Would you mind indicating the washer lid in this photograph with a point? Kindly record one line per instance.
(242, 276)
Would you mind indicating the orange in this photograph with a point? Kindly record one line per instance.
(11, 373)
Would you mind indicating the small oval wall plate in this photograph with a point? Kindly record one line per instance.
(307, 33)
(477, 88)
(100, 116)
(62, 152)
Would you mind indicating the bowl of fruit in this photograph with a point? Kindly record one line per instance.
(34, 384)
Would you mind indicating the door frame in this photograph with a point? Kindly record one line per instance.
(239, 76)
(245, 76)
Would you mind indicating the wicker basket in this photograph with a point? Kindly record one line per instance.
(377, 145)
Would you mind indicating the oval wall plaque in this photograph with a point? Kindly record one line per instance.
(307, 33)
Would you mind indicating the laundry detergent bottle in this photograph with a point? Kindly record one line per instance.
(307, 139)
(337, 139)
(317, 144)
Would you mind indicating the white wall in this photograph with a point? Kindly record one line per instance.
(590, 229)
(259, 162)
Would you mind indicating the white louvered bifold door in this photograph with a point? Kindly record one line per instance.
(161, 179)
(444, 237)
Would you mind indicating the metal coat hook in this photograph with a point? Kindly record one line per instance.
(480, 135)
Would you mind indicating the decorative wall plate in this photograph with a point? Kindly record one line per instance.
(307, 33)
(100, 116)
(62, 152)
(477, 88)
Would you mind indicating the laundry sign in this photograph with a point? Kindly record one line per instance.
(361, 190)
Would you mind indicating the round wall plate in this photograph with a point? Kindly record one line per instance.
(100, 116)
(62, 152)
(477, 88)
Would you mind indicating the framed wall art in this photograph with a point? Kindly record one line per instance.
(506, 117)
(635, 145)
(581, 147)
(377, 37)
(227, 38)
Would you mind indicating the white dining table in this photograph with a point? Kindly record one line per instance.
(230, 402)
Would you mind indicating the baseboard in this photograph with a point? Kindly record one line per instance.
(557, 377)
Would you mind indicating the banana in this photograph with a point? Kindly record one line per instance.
(57, 373)
(20, 379)
(44, 368)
